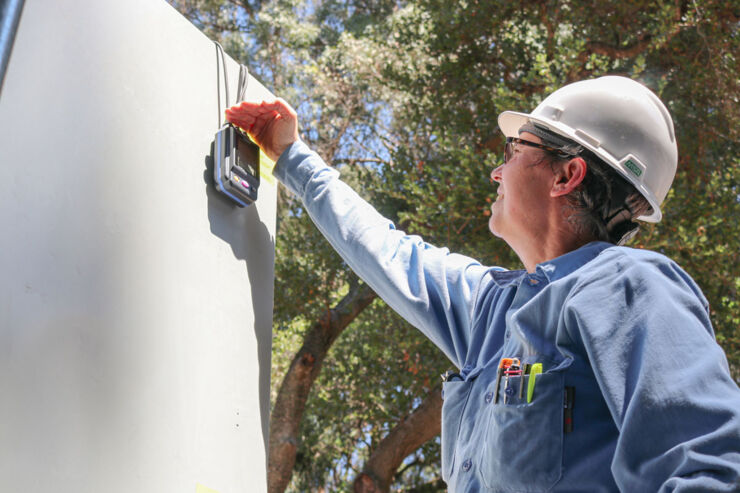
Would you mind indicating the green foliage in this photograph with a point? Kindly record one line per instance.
(403, 97)
(373, 377)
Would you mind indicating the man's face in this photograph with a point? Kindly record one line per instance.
(523, 191)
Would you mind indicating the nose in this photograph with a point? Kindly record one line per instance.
(496, 174)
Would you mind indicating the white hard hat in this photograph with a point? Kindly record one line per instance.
(620, 121)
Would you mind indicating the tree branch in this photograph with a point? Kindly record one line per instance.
(619, 52)
(423, 424)
(642, 44)
(290, 404)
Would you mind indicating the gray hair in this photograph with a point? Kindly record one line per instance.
(604, 204)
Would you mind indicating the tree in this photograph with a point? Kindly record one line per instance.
(403, 97)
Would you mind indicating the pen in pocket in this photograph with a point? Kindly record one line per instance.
(513, 370)
(503, 368)
(525, 371)
(533, 372)
(569, 400)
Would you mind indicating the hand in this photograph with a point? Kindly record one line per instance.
(272, 124)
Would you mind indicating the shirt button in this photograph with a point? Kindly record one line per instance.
(467, 465)
(489, 397)
(508, 334)
(509, 391)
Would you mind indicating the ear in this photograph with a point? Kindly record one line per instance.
(568, 177)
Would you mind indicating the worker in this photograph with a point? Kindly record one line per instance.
(595, 368)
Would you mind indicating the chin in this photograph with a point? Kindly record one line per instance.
(492, 227)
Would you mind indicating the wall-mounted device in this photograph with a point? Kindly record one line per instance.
(236, 170)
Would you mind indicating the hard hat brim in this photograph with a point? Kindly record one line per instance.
(511, 121)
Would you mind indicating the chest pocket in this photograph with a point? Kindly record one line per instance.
(455, 395)
(523, 445)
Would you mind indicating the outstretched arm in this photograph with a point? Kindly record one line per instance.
(430, 287)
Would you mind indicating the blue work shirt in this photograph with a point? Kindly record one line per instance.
(654, 407)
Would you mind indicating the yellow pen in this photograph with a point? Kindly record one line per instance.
(536, 368)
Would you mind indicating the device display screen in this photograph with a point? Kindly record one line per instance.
(247, 155)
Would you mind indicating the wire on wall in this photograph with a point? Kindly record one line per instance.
(242, 83)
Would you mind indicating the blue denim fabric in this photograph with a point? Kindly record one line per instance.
(655, 407)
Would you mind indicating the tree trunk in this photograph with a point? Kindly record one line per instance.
(423, 424)
(290, 404)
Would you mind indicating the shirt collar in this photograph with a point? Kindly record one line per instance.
(554, 269)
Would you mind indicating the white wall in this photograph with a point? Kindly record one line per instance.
(135, 301)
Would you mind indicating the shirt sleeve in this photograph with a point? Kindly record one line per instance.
(428, 286)
(645, 327)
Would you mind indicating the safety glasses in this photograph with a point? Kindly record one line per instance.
(512, 142)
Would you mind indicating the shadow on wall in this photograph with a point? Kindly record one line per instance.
(252, 243)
